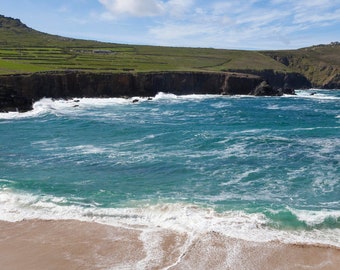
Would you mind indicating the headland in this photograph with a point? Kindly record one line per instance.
(35, 65)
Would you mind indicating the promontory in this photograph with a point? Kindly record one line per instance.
(34, 65)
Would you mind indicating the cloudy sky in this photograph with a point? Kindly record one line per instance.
(230, 24)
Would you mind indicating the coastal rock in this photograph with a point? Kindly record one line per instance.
(333, 83)
(240, 84)
(282, 59)
(264, 89)
(69, 84)
(281, 81)
(10, 100)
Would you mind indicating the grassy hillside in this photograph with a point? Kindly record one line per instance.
(23, 49)
(26, 50)
(318, 63)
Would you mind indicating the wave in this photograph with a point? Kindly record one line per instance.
(323, 226)
(76, 105)
(169, 96)
(318, 219)
(320, 94)
(61, 107)
(304, 219)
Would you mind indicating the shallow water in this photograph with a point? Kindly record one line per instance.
(238, 165)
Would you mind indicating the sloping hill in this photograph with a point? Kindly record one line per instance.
(25, 50)
(320, 64)
(14, 33)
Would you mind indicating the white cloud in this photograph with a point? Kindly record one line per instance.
(136, 8)
(146, 8)
(178, 8)
(249, 22)
(175, 31)
(309, 12)
(219, 23)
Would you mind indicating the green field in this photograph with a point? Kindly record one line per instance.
(118, 58)
(24, 50)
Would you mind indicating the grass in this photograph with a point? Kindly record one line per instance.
(23, 49)
(136, 58)
(317, 63)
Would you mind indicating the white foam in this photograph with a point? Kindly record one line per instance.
(38, 109)
(72, 106)
(42, 107)
(173, 97)
(273, 107)
(313, 218)
(152, 241)
(162, 95)
(221, 105)
(87, 149)
(239, 177)
(317, 94)
(183, 218)
(64, 107)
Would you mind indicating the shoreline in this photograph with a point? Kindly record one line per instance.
(71, 244)
(19, 91)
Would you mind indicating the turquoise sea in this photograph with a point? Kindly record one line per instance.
(256, 168)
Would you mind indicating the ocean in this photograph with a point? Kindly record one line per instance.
(252, 168)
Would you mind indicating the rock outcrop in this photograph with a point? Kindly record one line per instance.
(333, 83)
(15, 89)
(281, 81)
(263, 89)
(10, 100)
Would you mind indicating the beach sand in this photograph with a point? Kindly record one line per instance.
(68, 244)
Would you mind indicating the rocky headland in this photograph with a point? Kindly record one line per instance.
(36, 65)
(19, 91)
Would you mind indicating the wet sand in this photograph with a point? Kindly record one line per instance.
(69, 244)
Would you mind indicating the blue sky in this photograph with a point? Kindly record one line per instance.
(234, 24)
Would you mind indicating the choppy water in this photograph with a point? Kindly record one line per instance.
(257, 168)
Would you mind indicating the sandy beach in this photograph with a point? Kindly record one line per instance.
(69, 244)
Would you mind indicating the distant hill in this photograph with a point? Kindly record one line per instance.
(319, 63)
(14, 33)
(25, 50)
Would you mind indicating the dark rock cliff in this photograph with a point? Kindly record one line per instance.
(333, 83)
(284, 82)
(17, 92)
(10, 100)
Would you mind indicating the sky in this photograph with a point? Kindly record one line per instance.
(233, 24)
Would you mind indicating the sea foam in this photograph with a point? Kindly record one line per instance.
(183, 218)
(259, 168)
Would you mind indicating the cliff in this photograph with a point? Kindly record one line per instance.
(282, 81)
(320, 64)
(19, 91)
(36, 65)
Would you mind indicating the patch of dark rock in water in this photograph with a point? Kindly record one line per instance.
(264, 89)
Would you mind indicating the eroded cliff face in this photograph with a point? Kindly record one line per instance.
(284, 82)
(11, 100)
(333, 82)
(17, 92)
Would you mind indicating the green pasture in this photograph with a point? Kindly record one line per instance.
(23, 50)
(118, 58)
